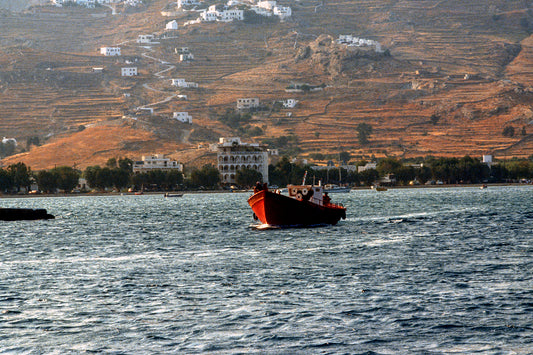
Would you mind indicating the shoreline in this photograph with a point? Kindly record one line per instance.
(187, 192)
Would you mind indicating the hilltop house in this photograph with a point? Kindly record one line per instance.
(182, 117)
(129, 71)
(155, 162)
(233, 155)
(353, 41)
(172, 25)
(247, 103)
(110, 51)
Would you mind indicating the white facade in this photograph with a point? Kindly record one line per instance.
(282, 12)
(487, 159)
(145, 38)
(156, 162)
(172, 25)
(353, 41)
(289, 103)
(110, 51)
(182, 117)
(186, 57)
(181, 83)
(247, 103)
(182, 3)
(226, 15)
(368, 166)
(233, 155)
(129, 71)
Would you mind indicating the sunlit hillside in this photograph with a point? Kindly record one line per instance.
(449, 79)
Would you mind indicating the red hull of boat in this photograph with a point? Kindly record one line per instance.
(280, 210)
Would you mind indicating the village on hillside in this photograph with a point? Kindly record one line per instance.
(159, 84)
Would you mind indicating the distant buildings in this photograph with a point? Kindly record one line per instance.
(181, 83)
(129, 71)
(247, 103)
(233, 155)
(145, 38)
(353, 41)
(110, 51)
(155, 162)
(172, 25)
(182, 117)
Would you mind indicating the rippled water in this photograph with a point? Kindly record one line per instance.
(410, 271)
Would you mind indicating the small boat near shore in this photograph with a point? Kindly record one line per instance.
(168, 195)
(23, 214)
(304, 206)
(331, 188)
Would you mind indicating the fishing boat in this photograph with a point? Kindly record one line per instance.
(18, 214)
(167, 195)
(305, 205)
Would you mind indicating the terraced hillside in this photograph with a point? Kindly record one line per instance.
(453, 76)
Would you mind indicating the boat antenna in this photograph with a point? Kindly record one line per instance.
(305, 175)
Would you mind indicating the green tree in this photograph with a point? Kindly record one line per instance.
(208, 177)
(6, 181)
(364, 130)
(248, 177)
(67, 178)
(21, 175)
(91, 175)
(508, 131)
(46, 180)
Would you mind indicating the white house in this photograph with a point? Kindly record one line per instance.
(182, 117)
(129, 71)
(282, 12)
(247, 103)
(182, 3)
(145, 38)
(181, 83)
(289, 103)
(110, 51)
(172, 25)
(267, 5)
(186, 57)
(155, 162)
(233, 155)
(367, 166)
(230, 15)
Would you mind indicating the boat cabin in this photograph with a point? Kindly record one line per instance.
(311, 193)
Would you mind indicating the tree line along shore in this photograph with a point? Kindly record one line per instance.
(117, 176)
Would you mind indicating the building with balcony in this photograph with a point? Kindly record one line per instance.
(233, 155)
(155, 162)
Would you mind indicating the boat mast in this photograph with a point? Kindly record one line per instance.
(305, 175)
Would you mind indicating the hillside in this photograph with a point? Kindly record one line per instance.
(451, 78)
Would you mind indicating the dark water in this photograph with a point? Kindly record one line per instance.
(410, 271)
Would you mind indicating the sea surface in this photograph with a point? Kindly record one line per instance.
(410, 271)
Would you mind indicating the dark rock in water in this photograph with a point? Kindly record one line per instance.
(16, 214)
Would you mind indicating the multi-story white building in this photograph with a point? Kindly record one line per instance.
(182, 117)
(233, 155)
(247, 103)
(155, 162)
(110, 51)
(129, 71)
